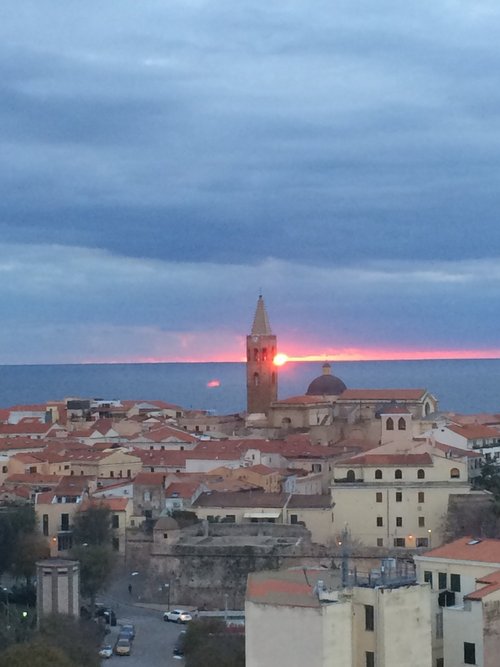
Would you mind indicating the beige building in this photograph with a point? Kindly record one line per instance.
(116, 463)
(465, 587)
(398, 499)
(305, 617)
(313, 512)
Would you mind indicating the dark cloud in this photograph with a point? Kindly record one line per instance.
(230, 146)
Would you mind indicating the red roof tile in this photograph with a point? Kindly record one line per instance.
(468, 548)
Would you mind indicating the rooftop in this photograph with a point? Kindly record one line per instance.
(468, 549)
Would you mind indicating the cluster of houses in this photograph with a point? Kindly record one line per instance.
(391, 490)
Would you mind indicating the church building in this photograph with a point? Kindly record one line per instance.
(262, 376)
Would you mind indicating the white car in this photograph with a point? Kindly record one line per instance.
(106, 652)
(177, 616)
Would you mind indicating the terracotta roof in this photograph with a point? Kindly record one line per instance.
(468, 548)
(35, 479)
(294, 587)
(25, 426)
(260, 469)
(165, 433)
(310, 501)
(114, 504)
(44, 498)
(19, 491)
(457, 452)
(382, 395)
(389, 460)
(159, 457)
(7, 444)
(26, 457)
(473, 431)
(492, 584)
(181, 489)
(150, 478)
(394, 410)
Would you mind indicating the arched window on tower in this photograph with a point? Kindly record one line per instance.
(350, 477)
(401, 424)
(389, 424)
(256, 380)
(256, 354)
(420, 474)
(378, 474)
(249, 355)
(455, 473)
(398, 474)
(264, 354)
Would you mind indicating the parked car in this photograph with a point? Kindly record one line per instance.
(106, 651)
(177, 616)
(127, 630)
(123, 646)
(180, 644)
(107, 614)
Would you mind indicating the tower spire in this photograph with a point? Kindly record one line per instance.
(261, 326)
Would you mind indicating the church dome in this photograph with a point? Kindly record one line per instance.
(326, 384)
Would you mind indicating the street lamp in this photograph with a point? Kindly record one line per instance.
(430, 536)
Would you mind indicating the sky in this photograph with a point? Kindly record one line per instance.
(164, 162)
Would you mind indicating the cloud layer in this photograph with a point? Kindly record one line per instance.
(162, 162)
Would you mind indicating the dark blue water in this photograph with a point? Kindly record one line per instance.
(461, 385)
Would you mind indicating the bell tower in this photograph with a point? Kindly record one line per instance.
(262, 376)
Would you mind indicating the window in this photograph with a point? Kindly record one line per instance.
(439, 625)
(129, 473)
(147, 496)
(316, 467)
(420, 474)
(399, 496)
(111, 473)
(45, 524)
(439, 662)
(255, 354)
(378, 474)
(380, 521)
(422, 542)
(442, 580)
(389, 424)
(115, 521)
(264, 354)
(421, 521)
(255, 379)
(230, 518)
(469, 653)
(378, 497)
(294, 518)
(421, 497)
(370, 659)
(380, 541)
(399, 542)
(64, 521)
(398, 474)
(428, 577)
(369, 617)
(401, 424)
(64, 542)
(455, 583)
(455, 473)
(350, 477)
(4, 469)
(399, 521)
(148, 514)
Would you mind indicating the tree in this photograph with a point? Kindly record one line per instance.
(76, 638)
(34, 654)
(209, 643)
(92, 539)
(93, 526)
(29, 548)
(15, 521)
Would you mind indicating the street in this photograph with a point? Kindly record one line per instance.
(154, 641)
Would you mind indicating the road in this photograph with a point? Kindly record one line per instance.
(154, 641)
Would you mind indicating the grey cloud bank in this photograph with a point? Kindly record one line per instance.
(162, 161)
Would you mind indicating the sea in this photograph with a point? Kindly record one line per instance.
(465, 385)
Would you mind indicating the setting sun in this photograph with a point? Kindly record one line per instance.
(280, 359)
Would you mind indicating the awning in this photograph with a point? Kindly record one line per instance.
(262, 515)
